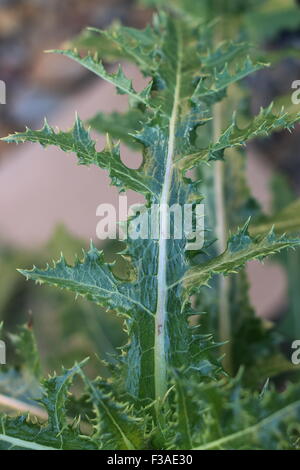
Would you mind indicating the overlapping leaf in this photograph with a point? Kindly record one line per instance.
(262, 125)
(78, 140)
(226, 417)
(118, 79)
(119, 126)
(141, 46)
(116, 427)
(286, 220)
(214, 89)
(22, 384)
(168, 132)
(240, 249)
(94, 279)
(56, 433)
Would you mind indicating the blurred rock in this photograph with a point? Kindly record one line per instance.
(31, 105)
(55, 72)
(27, 28)
(9, 22)
(14, 58)
(282, 150)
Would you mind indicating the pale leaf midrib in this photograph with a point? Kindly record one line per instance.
(160, 362)
(127, 442)
(49, 279)
(16, 442)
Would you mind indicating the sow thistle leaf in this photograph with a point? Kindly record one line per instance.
(22, 434)
(224, 54)
(269, 368)
(55, 434)
(120, 126)
(121, 42)
(186, 415)
(118, 79)
(273, 423)
(22, 384)
(285, 221)
(115, 425)
(220, 416)
(264, 124)
(168, 131)
(90, 42)
(215, 91)
(156, 301)
(240, 249)
(91, 278)
(78, 140)
(141, 46)
(55, 396)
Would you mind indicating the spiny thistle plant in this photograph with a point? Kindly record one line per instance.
(185, 379)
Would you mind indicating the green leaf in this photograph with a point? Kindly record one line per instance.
(215, 89)
(56, 433)
(225, 416)
(78, 140)
(248, 421)
(154, 301)
(270, 367)
(140, 46)
(225, 53)
(89, 41)
(185, 415)
(118, 79)
(21, 434)
(240, 249)
(55, 396)
(188, 76)
(262, 125)
(94, 279)
(115, 426)
(285, 221)
(120, 126)
(140, 299)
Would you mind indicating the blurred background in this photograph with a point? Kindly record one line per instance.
(48, 203)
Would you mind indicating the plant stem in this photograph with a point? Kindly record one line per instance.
(224, 320)
(160, 359)
(221, 232)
